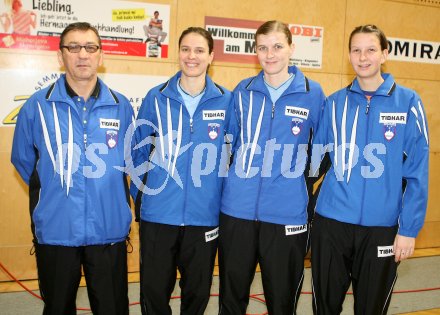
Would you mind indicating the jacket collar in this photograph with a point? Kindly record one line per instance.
(385, 89)
(300, 83)
(72, 93)
(58, 92)
(169, 89)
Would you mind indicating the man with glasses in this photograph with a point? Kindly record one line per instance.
(68, 147)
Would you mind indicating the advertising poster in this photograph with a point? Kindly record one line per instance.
(410, 50)
(22, 84)
(126, 28)
(235, 41)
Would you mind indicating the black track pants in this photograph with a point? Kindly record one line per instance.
(164, 248)
(344, 253)
(280, 253)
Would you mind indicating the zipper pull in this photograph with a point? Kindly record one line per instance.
(191, 125)
(368, 105)
(273, 110)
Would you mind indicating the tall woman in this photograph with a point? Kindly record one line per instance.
(373, 199)
(180, 134)
(264, 205)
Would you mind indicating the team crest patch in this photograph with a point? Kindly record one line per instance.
(390, 121)
(213, 130)
(389, 131)
(111, 137)
(296, 126)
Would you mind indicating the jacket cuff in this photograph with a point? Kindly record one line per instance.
(407, 232)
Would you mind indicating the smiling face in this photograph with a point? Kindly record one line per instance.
(366, 56)
(273, 52)
(81, 66)
(194, 56)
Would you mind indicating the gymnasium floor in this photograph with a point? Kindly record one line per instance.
(416, 275)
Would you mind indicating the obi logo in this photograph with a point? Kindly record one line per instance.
(302, 30)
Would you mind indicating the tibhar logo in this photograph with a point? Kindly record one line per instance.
(109, 123)
(299, 112)
(392, 118)
(211, 235)
(385, 251)
(295, 229)
(214, 114)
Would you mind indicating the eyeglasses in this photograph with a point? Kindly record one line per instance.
(77, 48)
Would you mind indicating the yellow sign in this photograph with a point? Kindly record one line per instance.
(121, 15)
(11, 118)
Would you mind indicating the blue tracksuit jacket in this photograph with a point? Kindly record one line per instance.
(181, 160)
(77, 165)
(379, 171)
(266, 180)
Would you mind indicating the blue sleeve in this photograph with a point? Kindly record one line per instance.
(415, 171)
(321, 138)
(232, 125)
(143, 139)
(129, 140)
(318, 112)
(236, 119)
(24, 155)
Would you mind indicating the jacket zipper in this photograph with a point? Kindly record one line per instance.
(367, 109)
(368, 105)
(191, 130)
(83, 157)
(257, 209)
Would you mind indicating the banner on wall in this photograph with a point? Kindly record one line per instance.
(411, 50)
(126, 28)
(22, 84)
(235, 41)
